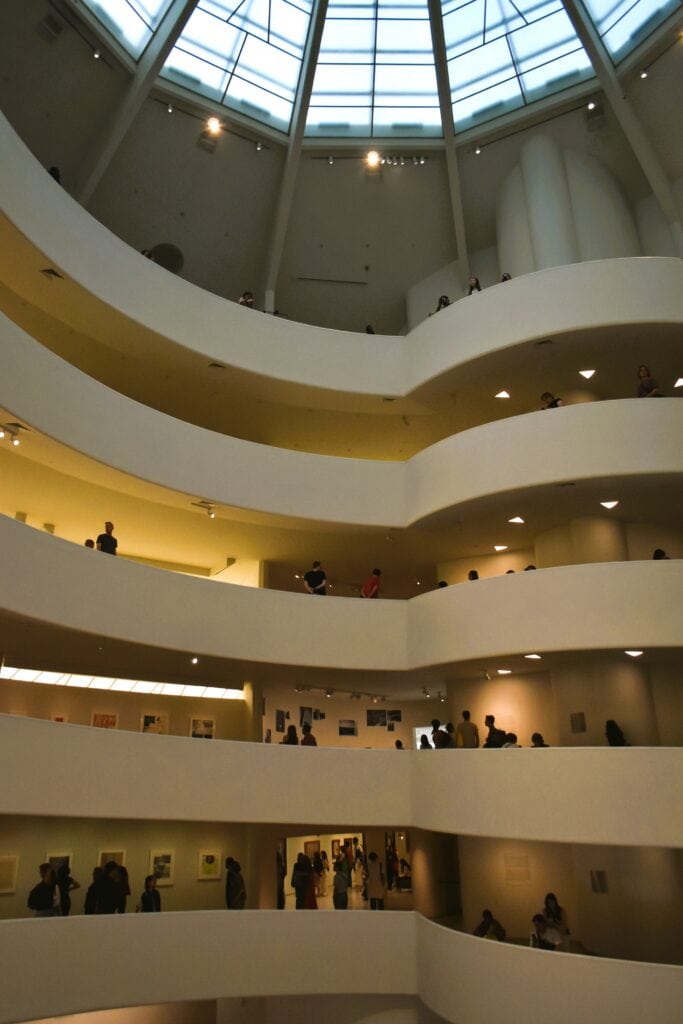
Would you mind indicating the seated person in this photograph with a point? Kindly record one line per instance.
(489, 928)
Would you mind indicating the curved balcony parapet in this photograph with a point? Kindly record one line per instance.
(128, 297)
(521, 794)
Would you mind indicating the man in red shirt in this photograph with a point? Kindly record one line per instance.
(371, 586)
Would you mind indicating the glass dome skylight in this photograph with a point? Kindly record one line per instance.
(375, 75)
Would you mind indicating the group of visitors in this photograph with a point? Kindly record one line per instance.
(315, 582)
(106, 541)
(550, 929)
(351, 867)
(647, 388)
(473, 285)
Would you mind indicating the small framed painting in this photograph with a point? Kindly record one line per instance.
(157, 724)
(348, 727)
(202, 728)
(105, 856)
(57, 860)
(335, 849)
(209, 865)
(59, 716)
(376, 716)
(105, 720)
(162, 866)
(9, 867)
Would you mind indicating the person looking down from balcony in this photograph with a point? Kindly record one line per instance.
(150, 900)
(443, 302)
(615, 736)
(550, 401)
(659, 554)
(544, 935)
(510, 740)
(537, 740)
(474, 285)
(505, 277)
(496, 737)
(315, 580)
(489, 928)
(291, 739)
(556, 917)
(106, 541)
(370, 588)
(45, 898)
(308, 739)
(647, 385)
(235, 892)
(472, 575)
(439, 736)
(246, 299)
(424, 743)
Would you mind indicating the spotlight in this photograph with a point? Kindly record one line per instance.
(330, 160)
(643, 73)
(679, 383)
(328, 693)
(195, 661)
(211, 512)
(633, 654)
(2, 434)
(414, 161)
(442, 699)
(96, 54)
(477, 151)
(15, 441)
(533, 657)
(402, 161)
(504, 671)
(213, 126)
(591, 105)
(169, 108)
(422, 160)
(259, 147)
(426, 691)
(373, 158)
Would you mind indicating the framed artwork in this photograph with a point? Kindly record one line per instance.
(335, 849)
(9, 867)
(311, 847)
(104, 856)
(105, 720)
(59, 716)
(393, 716)
(305, 716)
(202, 728)
(209, 865)
(391, 727)
(279, 721)
(318, 715)
(348, 727)
(56, 860)
(157, 724)
(162, 866)
(376, 716)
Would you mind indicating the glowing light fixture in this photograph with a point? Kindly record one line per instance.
(24, 675)
(96, 54)
(259, 147)
(633, 654)
(195, 661)
(169, 108)
(500, 547)
(516, 519)
(609, 504)
(533, 657)
(504, 671)
(587, 373)
(502, 394)
(373, 158)
(477, 151)
(643, 73)
(591, 105)
(330, 160)
(213, 126)
(679, 383)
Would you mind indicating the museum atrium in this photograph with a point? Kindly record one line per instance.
(349, 164)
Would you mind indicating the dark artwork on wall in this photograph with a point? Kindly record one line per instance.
(348, 727)
(393, 716)
(390, 727)
(376, 717)
(279, 721)
(305, 715)
(318, 715)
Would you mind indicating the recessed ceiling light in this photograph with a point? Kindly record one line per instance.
(500, 547)
(679, 383)
(533, 657)
(169, 108)
(330, 160)
(504, 671)
(195, 661)
(516, 519)
(587, 373)
(591, 105)
(502, 394)
(643, 73)
(477, 151)
(633, 654)
(96, 54)
(609, 504)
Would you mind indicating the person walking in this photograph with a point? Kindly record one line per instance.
(235, 892)
(376, 882)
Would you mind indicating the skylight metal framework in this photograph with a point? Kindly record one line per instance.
(244, 54)
(375, 75)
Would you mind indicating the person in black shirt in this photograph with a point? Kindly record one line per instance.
(496, 737)
(315, 580)
(106, 541)
(150, 900)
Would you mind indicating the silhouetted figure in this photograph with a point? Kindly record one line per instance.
(496, 737)
(55, 173)
(307, 738)
(424, 743)
(467, 733)
(291, 739)
(369, 329)
(544, 936)
(90, 543)
(106, 541)
(150, 900)
(66, 884)
(473, 574)
(489, 928)
(511, 740)
(658, 554)
(550, 401)
(647, 385)
(441, 584)
(505, 277)
(340, 895)
(443, 302)
(615, 736)
(399, 744)
(44, 897)
(537, 740)
(315, 580)
(529, 568)
(90, 905)
(235, 893)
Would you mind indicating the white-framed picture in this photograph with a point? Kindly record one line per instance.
(59, 716)
(157, 724)
(57, 860)
(202, 728)
(105, 719)
(209, 865)
(9, 869)
(117, 855)
(162, 866)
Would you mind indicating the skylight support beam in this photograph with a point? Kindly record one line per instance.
(299, 114)
(626, 116)
(455, 192)
(139, 87)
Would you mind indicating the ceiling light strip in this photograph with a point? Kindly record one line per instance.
(24, 675)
